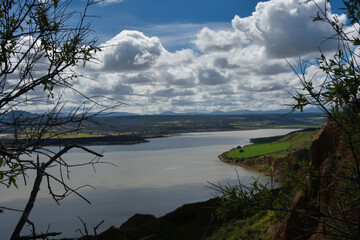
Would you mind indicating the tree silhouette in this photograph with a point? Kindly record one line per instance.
(41, 43)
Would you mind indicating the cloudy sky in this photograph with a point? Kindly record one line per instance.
(203, 55)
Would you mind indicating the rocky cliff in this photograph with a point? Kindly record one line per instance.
(317, 209)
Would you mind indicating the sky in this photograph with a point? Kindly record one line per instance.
(201, 56)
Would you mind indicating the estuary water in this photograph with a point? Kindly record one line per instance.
(154, 178)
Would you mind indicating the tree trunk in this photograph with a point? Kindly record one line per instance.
(30, 204)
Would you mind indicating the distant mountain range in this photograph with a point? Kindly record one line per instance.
(170, 113)
(226, 113)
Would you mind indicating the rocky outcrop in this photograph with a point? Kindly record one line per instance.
(323, 151)
(291, 227)
(326, 153)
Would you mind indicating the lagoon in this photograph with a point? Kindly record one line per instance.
(154, 178)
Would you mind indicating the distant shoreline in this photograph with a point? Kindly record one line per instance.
(115, 139)
(88, 141)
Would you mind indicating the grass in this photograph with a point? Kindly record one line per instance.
(299, 140)
(82, 135)
(255, 150)
(254, 227)
(277, 146)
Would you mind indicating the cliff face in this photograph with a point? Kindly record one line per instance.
(327, 153)
(324, 155)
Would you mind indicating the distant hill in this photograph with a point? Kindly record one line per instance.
(18, 113)
(217, 112)
(168, 113)
(118, 114)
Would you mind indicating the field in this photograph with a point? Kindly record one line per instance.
(258, 150)
(278, 146)
(299, 140)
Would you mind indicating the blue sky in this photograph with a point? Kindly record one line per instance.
(203, 55)
(148, 15)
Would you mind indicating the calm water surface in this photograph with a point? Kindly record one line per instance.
(154, 177)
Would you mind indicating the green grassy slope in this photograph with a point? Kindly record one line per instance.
(258, 150)
(278, 146)
(254, 227)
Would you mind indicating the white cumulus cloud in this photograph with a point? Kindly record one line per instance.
(129, 50)
(229, 69)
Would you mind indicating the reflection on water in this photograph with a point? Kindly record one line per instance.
(154, 177)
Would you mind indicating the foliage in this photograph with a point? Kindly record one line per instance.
(35, 35)
(338, 96)
(41, 43)
(250, 212)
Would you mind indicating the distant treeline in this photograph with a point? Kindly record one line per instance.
(86, 141)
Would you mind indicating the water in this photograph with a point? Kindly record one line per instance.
(155, 178)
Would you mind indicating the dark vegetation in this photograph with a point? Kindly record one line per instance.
(191, 221)
(202, 220)
(87, 141)
(41, 44)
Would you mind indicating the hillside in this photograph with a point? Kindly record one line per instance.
(272, 150)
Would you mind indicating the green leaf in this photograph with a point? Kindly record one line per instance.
(356, 41)
(12, 180)
(317, 18)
